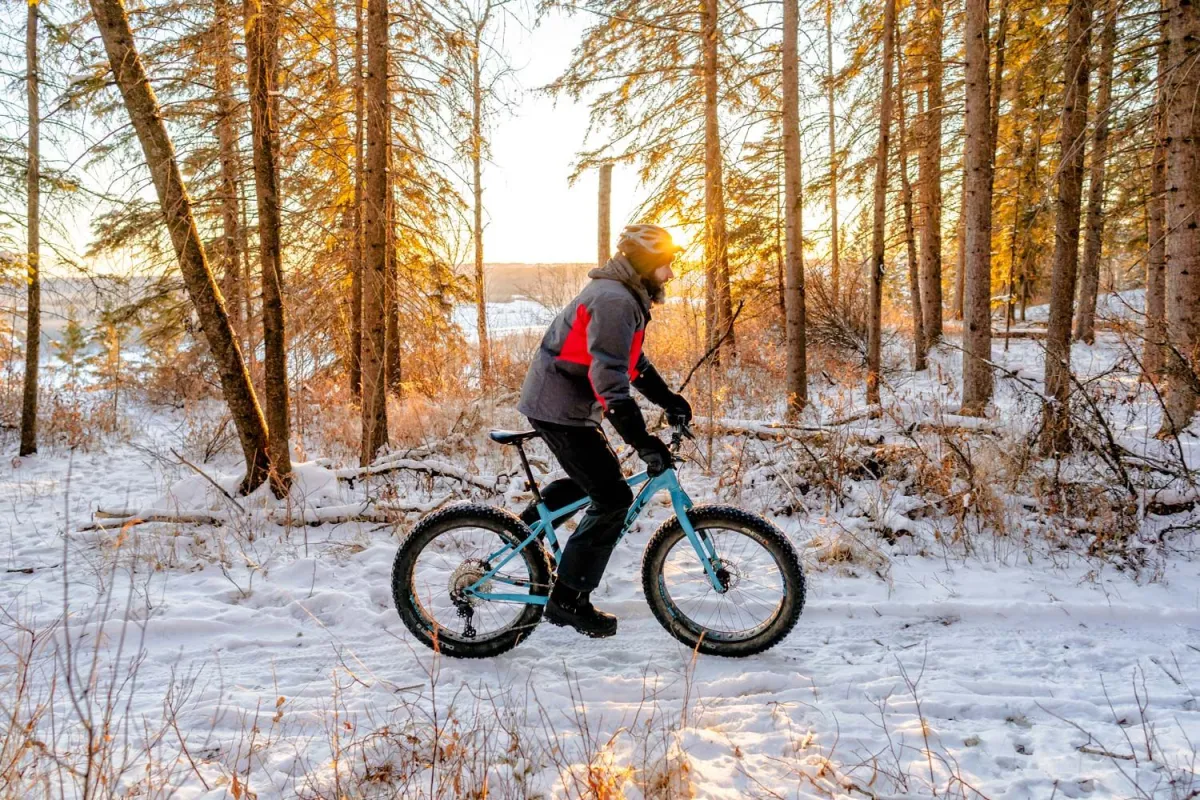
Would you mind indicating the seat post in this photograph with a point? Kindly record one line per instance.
(530, 482)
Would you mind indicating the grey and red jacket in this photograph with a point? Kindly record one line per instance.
(592, 351)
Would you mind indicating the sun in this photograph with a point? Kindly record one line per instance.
(682, 235)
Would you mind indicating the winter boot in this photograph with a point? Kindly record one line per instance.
(569, 608)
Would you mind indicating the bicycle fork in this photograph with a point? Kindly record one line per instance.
(701, 542)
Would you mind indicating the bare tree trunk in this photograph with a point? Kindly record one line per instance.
(977, 273)
(930, 175)
(906, 200)
(1056, 437)
(392, 286)
(793, 215)
(131, 79)
(477, 193)
(356, 260)
(1156, 211)
(33, 277)
(227, 142)
(997, 88)
(1183, 204)
(1089, 276)
(718, 302)
(835, 267)
(250, 339)
(777, 228)
(960, 269)
(1030, 210)
(874, 334)
(604, 216)
(1014, 231)
(259, 56)
(375, 262)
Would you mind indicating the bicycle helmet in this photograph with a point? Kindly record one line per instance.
(647, 240)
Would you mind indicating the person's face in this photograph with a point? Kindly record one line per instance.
(664, 273)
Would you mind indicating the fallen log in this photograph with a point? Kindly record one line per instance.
(439, 469)
(296, 517)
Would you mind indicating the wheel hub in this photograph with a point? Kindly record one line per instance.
(729, 575)
(465, 576)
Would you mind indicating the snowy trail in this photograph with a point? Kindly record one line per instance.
(1011, 663)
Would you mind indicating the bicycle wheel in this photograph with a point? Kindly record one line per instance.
(757, 565)
(451, 550)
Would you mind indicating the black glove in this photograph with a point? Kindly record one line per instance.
(627, 418)
(655, 389)
(656, 454)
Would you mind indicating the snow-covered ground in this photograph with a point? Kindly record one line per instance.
(270, 660)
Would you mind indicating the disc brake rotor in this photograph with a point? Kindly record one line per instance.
(729, 574)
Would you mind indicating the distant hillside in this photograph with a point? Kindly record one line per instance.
(551, 284)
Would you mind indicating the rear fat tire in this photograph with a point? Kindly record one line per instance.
(467, 515)
(757, 528)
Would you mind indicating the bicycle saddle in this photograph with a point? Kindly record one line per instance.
(512, 437)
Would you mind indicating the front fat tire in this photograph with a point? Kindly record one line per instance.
(735, 519)
(511, 530)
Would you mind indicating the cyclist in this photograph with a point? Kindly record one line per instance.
(582, 372)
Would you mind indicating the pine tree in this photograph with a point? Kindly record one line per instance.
(906, 200)
(977, 213)
(1155, 334)
(261, 30)
(930, 172)
(1089, 273)
(1056, 431)
(1183, 203)
(375, 227)
(797, 369)
(176, 207)
(874, 335)
(33, 303)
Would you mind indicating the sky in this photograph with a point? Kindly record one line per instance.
(533, 214)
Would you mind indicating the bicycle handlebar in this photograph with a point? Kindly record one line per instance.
(679, 432)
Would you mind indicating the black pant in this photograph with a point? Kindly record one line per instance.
(593, 471)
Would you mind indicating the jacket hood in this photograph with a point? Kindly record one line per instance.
(619, 269)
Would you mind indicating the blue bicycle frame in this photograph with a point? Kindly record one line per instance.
(544, 528)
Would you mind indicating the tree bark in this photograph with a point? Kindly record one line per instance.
(874, 333)
(1183, 204)
(477, 194)
(232, 287)
(392, 284)
(835, 268)
(33, 278)
(977, 239)
(1156, 212)
(604, 216)
(356, 261)
(1056, 436)
(139, 99)
(930, 174)
(260, 50)
(793, 214)
(1089, 276)
(960, 269)
(375, 263)
(906, 200)
(718, 301)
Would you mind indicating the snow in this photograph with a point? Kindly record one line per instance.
(1017, 668)
(1129, 305)
(504, 318)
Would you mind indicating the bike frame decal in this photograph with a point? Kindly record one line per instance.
(651, 486)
